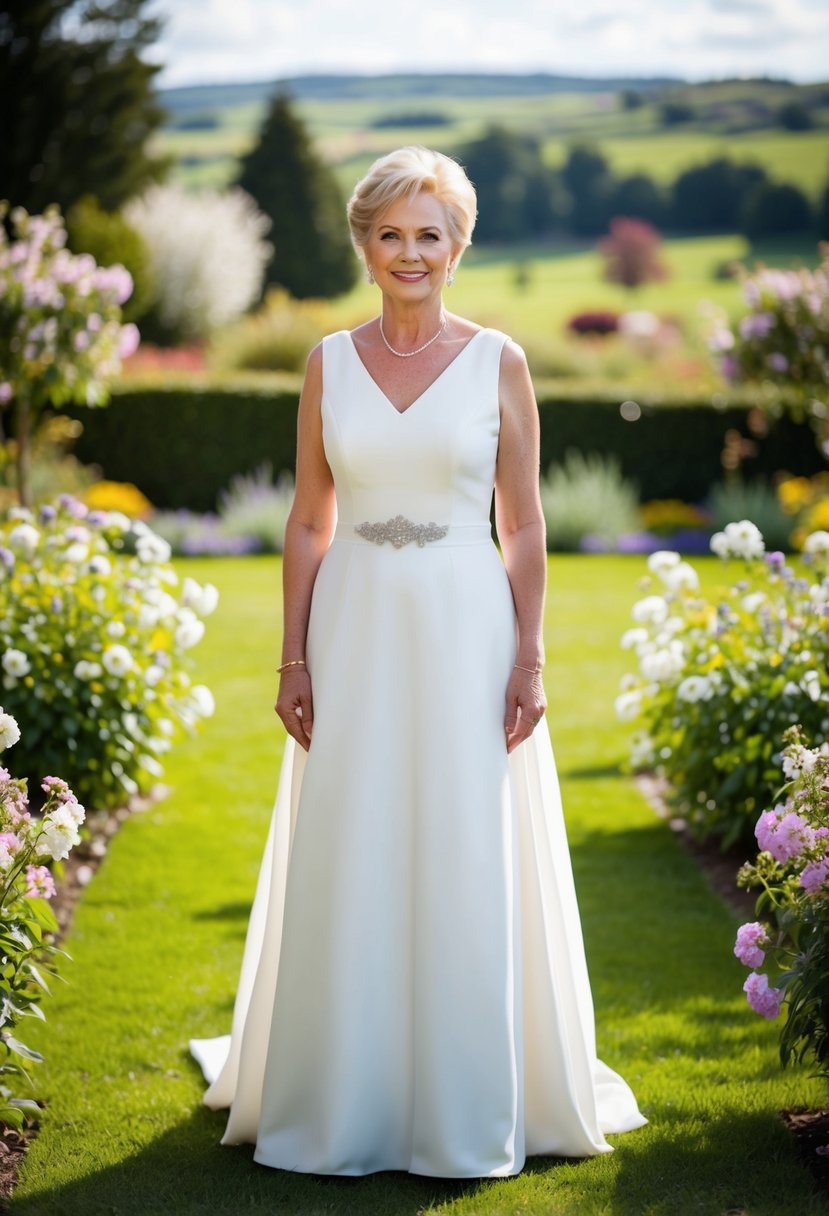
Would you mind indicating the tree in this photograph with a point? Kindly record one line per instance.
(631, 252)
(638, 195)
(587, 178)
(517, 195)
(775, 208)
(710, 196)
(77, 101)
(299, 194)
(823, 214)
(794, 116)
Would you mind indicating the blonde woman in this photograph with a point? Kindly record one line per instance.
(414, 993)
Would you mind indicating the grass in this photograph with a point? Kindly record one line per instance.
(157, 939)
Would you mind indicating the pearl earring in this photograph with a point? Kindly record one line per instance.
(369, 274)
(450, 277)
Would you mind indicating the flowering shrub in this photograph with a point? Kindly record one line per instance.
(92, 646)
(60, 322)
(28, 845)
(207, 253)
(720, 678)
(784, 338)
(595, 323)
(792, 941)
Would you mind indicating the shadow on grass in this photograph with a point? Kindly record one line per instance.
(186, 1172)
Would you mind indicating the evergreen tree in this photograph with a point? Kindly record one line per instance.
(313, 255)
(822, 215)
(77, 101)
(711, 196)
(775, 209)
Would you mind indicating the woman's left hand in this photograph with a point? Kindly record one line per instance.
(526, 704)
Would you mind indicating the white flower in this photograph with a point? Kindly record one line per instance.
(817, 543)
(203, 701)
(99, 565)
(662, 560)
(642, 752)
(632, 639)
(15, 663)
(24, 537)
(743, 539)
(639, 323)
(77, 552)
(681, 577)
(60, 833)
(663, 664)
(202, 600)
(695, 688)
(190, 629)
(9, 731)
(628, 705)
(153, 674)
(651, 609)
(86, 670)
(750, 603)
(117, 660)
(116, 629)
(797, 760)
(76, 811)
(719, 545)
(151, 548)
(810, 683)
(117, 520)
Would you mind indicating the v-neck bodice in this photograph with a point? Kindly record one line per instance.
(440, 464)
(428, 387)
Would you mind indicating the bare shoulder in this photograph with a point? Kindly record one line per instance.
(515, 383)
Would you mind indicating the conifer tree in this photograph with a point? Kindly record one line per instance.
(77, 101)
(313, 256)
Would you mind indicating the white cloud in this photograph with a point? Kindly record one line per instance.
(236, 40)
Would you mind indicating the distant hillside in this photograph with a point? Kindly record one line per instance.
(400, 86)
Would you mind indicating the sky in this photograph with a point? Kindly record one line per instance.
(209, 41)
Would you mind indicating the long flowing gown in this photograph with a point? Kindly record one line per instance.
(414, 993)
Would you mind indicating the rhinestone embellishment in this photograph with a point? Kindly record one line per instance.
(400, 531)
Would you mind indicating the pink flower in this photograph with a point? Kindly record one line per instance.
(761, 998)
(40, 882)
(128, 340)
(747, 947)
(786, 836)
(813, 876)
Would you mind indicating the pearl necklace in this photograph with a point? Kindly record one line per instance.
(407, 354)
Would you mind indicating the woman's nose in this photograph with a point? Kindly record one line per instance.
(410, 252)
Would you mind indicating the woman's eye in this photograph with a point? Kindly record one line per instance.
(388, 236)
(430, 236)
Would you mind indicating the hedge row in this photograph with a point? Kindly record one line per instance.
(182, 443)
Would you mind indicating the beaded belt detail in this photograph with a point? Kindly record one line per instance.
(400, 531)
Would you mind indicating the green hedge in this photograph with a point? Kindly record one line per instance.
(181, 443)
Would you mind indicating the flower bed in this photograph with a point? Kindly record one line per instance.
(718, 682)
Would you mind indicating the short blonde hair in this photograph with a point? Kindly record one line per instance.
(407, 171)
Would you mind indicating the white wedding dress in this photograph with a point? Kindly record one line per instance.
(414, 993)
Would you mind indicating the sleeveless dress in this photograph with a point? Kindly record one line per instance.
(414, 993)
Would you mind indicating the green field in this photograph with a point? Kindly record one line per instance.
(730, 122)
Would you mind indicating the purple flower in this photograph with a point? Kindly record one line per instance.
(729, 367)
(747, 947)
(96, 519)
(6, 557)
(762, 999)
(776, 559)
(778, 362)
(813, 876)
(47, 513)
(786, 836)
(757, 325)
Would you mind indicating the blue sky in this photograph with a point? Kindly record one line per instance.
(234, 40)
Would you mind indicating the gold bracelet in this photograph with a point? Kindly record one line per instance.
(292, 663)
(533, 670)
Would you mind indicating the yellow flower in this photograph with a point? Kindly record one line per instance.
(118, 496)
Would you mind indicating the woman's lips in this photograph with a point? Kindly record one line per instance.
(409, 276)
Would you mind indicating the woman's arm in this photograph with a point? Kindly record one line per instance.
(521, 531)
(307, 536)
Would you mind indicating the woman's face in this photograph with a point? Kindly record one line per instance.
(410, 249)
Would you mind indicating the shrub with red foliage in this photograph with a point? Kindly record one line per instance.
(596, 322)
(631, 252)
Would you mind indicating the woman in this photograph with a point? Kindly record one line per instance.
(414, 993)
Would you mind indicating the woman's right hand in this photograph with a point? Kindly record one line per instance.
(295, 706)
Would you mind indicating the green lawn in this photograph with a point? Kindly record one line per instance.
(157, 941)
